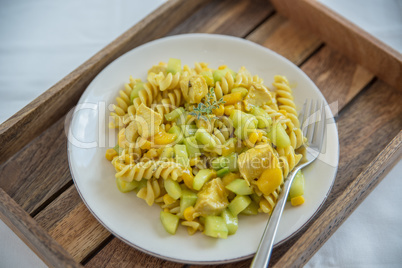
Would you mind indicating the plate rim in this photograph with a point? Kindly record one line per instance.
(177, 260)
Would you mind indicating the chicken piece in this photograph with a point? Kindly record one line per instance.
(257, 96)
(254, 161)
(212, 199)
(148, 121)
(194, 88)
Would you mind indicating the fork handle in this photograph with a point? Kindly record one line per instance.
(264, 251)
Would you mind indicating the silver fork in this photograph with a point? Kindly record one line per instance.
(313, 126)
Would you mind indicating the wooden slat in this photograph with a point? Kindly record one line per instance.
(287, 39)
(338, 78)
(71, 224)
(38, 171)
(32, 235)
(343, 206)
(119, 254)
(229, 17)
(45, 110)
(343, 35)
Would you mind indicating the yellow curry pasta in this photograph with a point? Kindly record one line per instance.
(206, 145)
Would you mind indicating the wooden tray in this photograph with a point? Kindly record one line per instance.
(38, 199)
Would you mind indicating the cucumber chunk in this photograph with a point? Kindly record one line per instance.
(173, 188)
(233, 166)
(202, 177)
(173, 66)
(181, 155)
(232, 222)
(191, 146)
(177, 131)
(243, 91)
(239, 187)
(169, 221)
(222, 172)
(278, 136)
(168, 152)
(264, 120)
(209, 78)
(255, 198)
(136, 90)
(189, 130)
(205, 138)
(124, 186)
(141, 184)
(238, 204)
(218, 74)
(173, 115)
(251, 209)
(215, 226)
(219, 163)
(297, 188)
(188, 199)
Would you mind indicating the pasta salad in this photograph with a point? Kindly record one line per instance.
(206, 145)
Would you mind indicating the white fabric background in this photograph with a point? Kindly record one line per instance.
(42, 41)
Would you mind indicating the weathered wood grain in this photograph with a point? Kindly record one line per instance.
(32, 234)
(71, 224)
(38, 171)
(338, 78)
(286, 38)
(119, 254)
(346, 37)
(229, 17)
(45, 110)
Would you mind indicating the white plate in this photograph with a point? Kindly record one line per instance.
(129, 217)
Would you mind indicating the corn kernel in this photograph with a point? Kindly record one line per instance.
(232, 98)
(188, 178)
(188, 213)
(222, 67)
(194, 161)
(269, 180)
(297, 201)
(110, 153)
(253, 137)
(219, 111)
(163, 138)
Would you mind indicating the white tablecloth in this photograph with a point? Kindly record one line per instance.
(42, 41)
